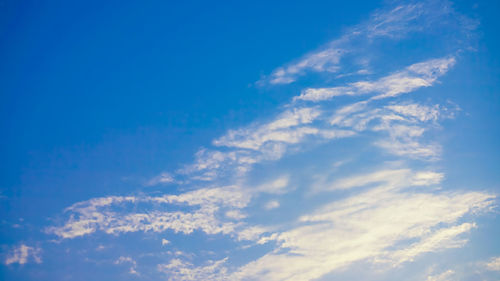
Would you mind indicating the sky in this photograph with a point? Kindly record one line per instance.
(250, 140)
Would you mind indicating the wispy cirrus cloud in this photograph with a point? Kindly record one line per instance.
(178, 269)
(443, 276)
(163, 178)
(108, 214)
(358, 224)
(395, 178)
(422, 74)
(379, 225)
(392, 23)
(387, 216)
(298, 124)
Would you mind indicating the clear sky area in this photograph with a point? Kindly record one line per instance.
(250, 140)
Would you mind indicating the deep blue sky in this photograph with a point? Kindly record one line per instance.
(98, 98)
(94, 92)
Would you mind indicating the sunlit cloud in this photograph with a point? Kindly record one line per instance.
(493, 264)
(443, 276)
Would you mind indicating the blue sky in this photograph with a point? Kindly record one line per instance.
(312, 140)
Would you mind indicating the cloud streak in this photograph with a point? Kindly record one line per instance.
(107, 214)
(418, 75)
(394, 23)
(376, 225)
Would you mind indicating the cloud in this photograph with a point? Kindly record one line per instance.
(217, 210)
(300, 127)
(211, 210)
(416, 111)
(493, 264)
(394, 178)
(235, 214)
(178, 269)
(163, 178)
(386, 224)
(277, 186)
(252, 233)
(319, 61)
(393, 23)
(444, 276)
(387, 216)
(382, 224)
(128, 260)
(22, 254)
(276, 130)
(403, 124)
(268, 141)
(418, 75)
(273, 204)
(104, 213)
(443, 239)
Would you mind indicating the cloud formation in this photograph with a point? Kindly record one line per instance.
(391, 223)
(393, 23)
(444, 276)
(128, 260)
(106, 214)
(386, 215)
(23, 254)
(493, 264)
(178, 269)
(415, 76)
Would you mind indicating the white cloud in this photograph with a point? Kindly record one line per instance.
(163, 178)
(128, 260)
(235, 214)
(419, 112)
(99, 214)
(298, 127)
(164, 242)
(252, 232)
(23, 254)
(416, 76)
(493, 264)
(268, 141)
(401, 125)
(427, 178)
(393, 23)
(178, 269)
(350, 230)
(393, 178)
(444, 276)
(413, 149)
(382, 224)
(390, 216)
(323, 60)
(277, 186)
(442, 239)
(403, 139)
(276, 130)
(273, 204)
